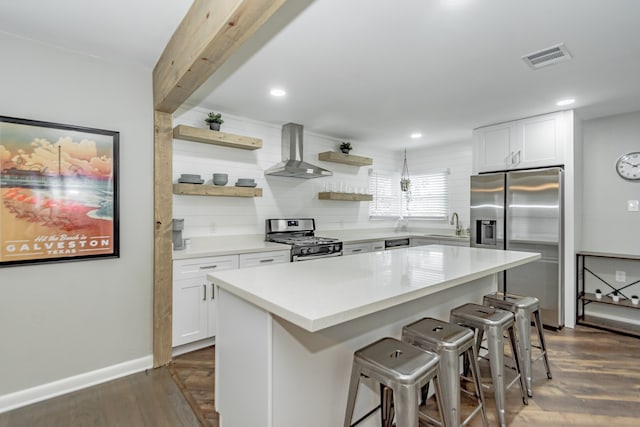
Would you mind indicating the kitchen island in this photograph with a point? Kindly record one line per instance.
(287, 332)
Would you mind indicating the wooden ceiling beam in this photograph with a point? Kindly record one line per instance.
(211, 31)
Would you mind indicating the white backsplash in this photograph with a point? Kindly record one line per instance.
(291, 197)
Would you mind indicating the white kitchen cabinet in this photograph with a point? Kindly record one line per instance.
(264, 258)
(528, 143)
(422, 241)
(378, 245)
(356, 248)
(194, 305)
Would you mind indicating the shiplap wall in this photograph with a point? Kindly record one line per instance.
(457, 158)
(291, 197)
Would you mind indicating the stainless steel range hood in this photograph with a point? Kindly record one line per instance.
(291, 165)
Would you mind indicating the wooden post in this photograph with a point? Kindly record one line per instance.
(163, 263)
(208, 35)
(211, 31)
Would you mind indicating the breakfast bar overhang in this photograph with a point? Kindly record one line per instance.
(287, 332)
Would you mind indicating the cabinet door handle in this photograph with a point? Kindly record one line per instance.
(205, 292)
(212, 294)
(207, 267)
(511, 157)
(267, 260)
(518, 157)
(356, 250)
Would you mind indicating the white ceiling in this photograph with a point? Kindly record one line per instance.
(375, 71)
(130, 31)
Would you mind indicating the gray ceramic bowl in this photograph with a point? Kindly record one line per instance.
(220, 178)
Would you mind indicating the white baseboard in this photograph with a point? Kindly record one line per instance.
(192, 346)
(66, 385)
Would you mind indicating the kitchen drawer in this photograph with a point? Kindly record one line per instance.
(422, 241)
(200, 267)
(356, 248)
(264, 258)
(377, 245)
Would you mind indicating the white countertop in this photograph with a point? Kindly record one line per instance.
(227, 245)
(205, 246)
(326, 292)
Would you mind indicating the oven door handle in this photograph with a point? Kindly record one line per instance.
(311, 257)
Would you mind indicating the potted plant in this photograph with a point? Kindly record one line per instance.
(214, 120)
(598, 294)
(615, 296)
(634, 299)
(345, 147)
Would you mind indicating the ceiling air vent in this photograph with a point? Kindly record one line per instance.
(549, 56)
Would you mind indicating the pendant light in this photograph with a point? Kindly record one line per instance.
(404, 178)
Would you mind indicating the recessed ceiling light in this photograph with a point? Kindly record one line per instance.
(565, 102)
(278, 92)
(416, 135)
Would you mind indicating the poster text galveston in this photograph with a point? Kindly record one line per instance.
(57, 192)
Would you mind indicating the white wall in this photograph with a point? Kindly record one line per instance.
(457, 157)
(290, 197)
(282, 197)
(68, 319)
(607, 225)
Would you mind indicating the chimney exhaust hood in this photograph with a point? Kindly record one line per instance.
(291, 165)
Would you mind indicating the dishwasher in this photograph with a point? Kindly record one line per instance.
(404, 242)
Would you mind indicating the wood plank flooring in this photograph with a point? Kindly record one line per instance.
(145, 399)
(596, 382)
(193, 372)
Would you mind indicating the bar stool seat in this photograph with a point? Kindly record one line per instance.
(450, 341)
(523, 308)
(493, 322)
(401, 368)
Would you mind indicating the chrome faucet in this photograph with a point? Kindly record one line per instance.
(457, 223)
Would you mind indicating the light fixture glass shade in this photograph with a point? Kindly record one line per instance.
(405, 182)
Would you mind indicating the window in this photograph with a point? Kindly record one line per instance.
(428, 195)
(385, 188)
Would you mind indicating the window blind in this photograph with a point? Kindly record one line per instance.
(385, 188)
(428, 196)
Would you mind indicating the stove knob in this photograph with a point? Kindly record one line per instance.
(304, 251)
(337, 248)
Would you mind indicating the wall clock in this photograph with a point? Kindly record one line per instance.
(628, 166)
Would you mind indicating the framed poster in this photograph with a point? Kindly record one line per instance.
(58, 192)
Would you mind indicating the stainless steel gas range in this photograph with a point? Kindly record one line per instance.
(300, 234)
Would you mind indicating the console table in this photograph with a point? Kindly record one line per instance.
(609, 289)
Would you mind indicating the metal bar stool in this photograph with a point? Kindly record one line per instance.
(450, 341)
(400, 368)
(523, 307)
(494, 322)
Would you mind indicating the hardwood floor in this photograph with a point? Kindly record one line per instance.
(193, 372)
(596, 382)
(144, 399)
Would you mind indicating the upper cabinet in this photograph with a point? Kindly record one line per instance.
(528, 143)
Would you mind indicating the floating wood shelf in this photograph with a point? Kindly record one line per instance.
(215, 190)
(349, 197)
(208, 136)
(348, 159)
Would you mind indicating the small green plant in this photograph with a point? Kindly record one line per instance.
(345, 147)
(214, 118)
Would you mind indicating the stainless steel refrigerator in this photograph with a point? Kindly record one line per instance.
(522, 211)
